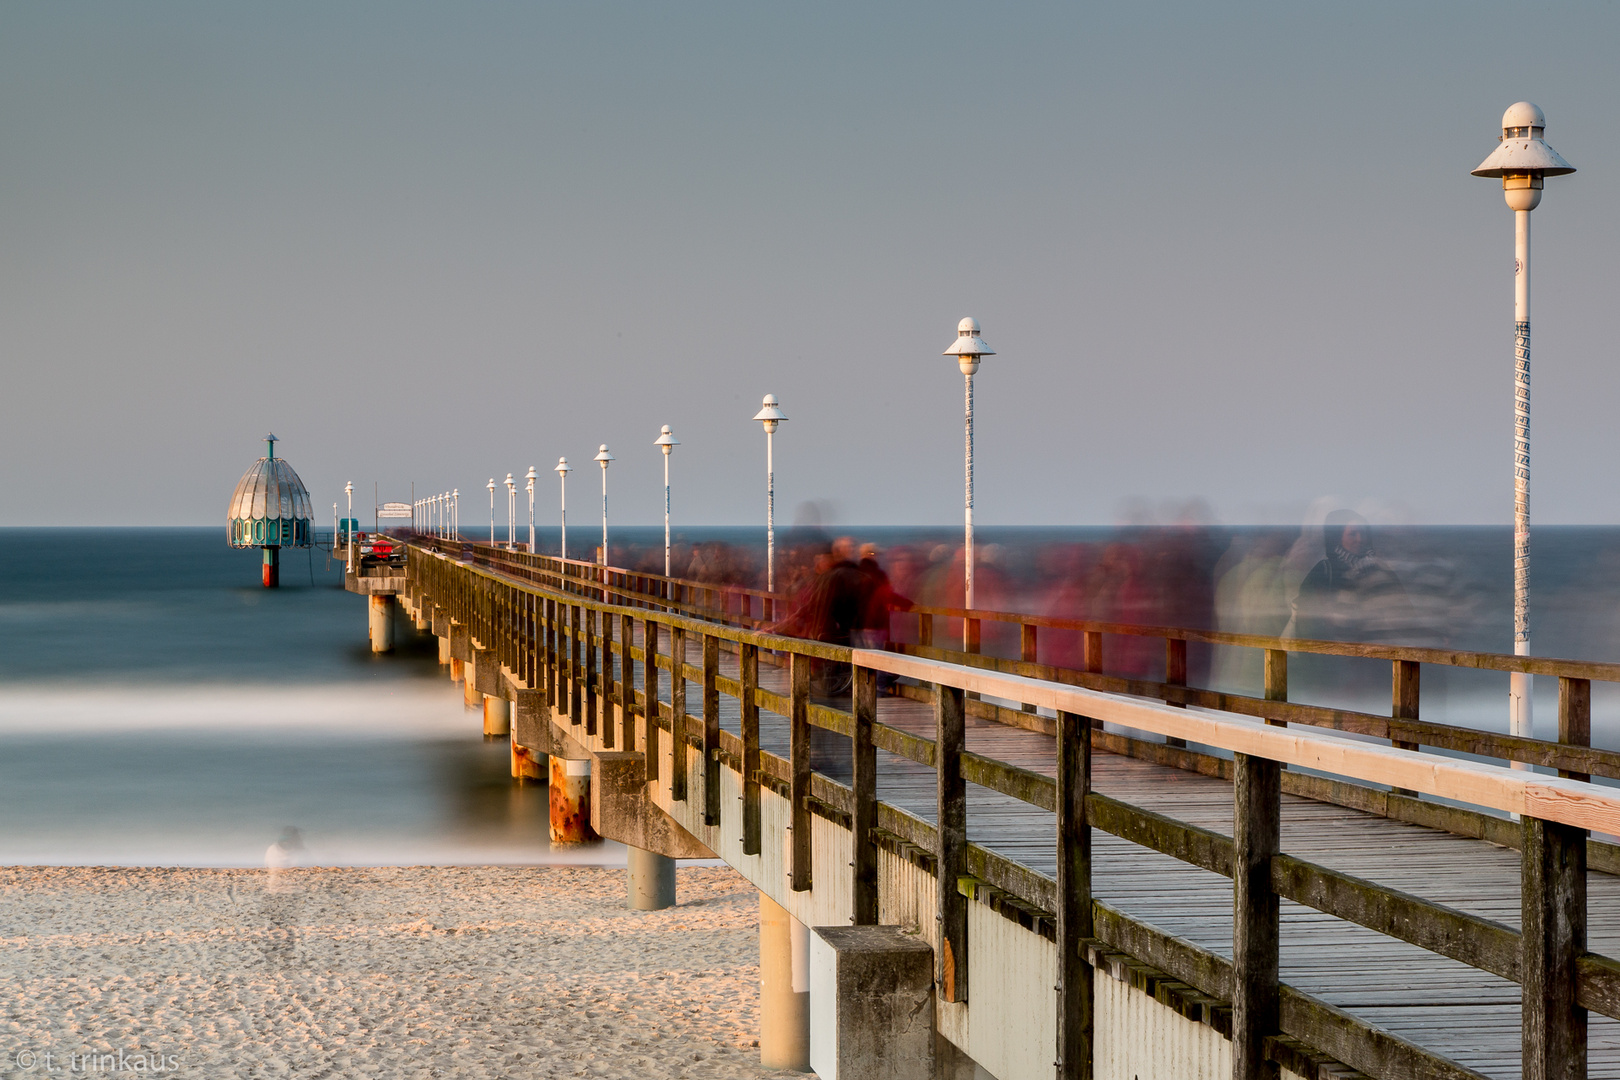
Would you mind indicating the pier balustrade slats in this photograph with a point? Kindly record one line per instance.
(1559, 977)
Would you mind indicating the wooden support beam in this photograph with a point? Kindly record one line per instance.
(1553, 915)
(1276, 680)
(605, 680)
(1405, 681)
(677, 714)
(799, 786)
(575, 690)
(554, 696)
(950, 732)
(1074, 928)
(1028, 649)
(589, 679)
(1574, 718)
(1175, 674)
(748, 702)
(626, 690)
(711, 730)
(1091, 648)
(1256, 837)
(925, 629)
(863, 706)
(649, 686)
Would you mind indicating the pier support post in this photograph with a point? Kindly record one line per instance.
(497, 717)
(871, 1004)
(528, 763)
(1553, 902)
(457, 670)
(571, 802)
(651, 880)
(469, 686)
(1256, 835)
(444, 654)
(784, 988)
(382, 622)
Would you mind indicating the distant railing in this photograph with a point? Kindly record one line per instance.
(1571, 753)
(553, 628)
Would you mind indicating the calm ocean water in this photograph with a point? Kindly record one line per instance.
(158, 707)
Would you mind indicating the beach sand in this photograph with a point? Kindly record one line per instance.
(395, 972)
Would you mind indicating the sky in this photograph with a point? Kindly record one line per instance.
(1227, 255)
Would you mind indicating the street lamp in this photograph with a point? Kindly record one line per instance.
(491, 486)
(1522, 160)
(348, 522)
(968, 348)
(563, 469)
(604, 458)
(511, 512)
(666, 442)
(770, 416)
(531, 477)
(455, 513)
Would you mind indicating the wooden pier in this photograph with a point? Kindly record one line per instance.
(1116, 877)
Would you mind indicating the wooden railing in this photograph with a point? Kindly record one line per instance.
(550, 626)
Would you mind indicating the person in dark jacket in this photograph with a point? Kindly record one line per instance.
(1351, 594)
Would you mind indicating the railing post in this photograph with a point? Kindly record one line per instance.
(1553, 919)
(649, 687)
(863, 819)
(1028, 649)
(972, 635)
(575, 690)
(1091, 651)
(711, 730)
(677, 710)
(748, 672)
(626, 683)
(1405, 681)
(553, 695)
(590, 670)
(925, 630)
(605, 692)
(1256, 828)
(1574, 717)
(1175, 674)
(950, 732)
(1276, 680)
(799, 788)
(1074, 1026)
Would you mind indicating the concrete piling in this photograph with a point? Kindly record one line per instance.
(871, 1004)
(571, 803)
(444, 654)
(457, 672)
(528, 764)
(651, 880)
(382, 623)
(784, 988)
(497, 717)
(469, 689)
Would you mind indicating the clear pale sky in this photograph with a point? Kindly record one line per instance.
(1225, 253)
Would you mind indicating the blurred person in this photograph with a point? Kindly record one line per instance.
(1351, 594)
(1251, 597)
(872, 630)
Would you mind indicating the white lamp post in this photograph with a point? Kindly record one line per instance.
(770, 416)
(563, 469)
(348, 490)
(491, 486)
(967, 348)
(511, 511)
(604, 458)
(455, 513)
(531, 478)
(666, 442)
(1522, 160)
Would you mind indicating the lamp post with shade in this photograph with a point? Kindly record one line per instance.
(563, 469)
(968, 348)
(1522, 160)
(531, 478)
(666, 442)
(491, 486)
(455, 513)
(348, 527)
(770, 416)
(511, 511)
(604, 458)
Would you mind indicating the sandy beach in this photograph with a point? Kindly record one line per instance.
(397, 972)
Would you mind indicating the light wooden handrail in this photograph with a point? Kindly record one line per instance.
(1569, 802)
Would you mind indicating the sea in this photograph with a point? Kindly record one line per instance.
(158, 707)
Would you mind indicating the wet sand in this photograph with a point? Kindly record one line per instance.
(396, 972)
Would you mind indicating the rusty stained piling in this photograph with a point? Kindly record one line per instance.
(497, 717)
(571, 803)
(528, 764)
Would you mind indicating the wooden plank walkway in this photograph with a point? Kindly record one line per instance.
(1461, 1012)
